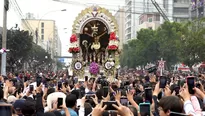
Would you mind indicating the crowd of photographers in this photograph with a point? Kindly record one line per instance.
(128, 94)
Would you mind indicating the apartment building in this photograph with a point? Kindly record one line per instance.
(149, 21)
(120, 17)
(46, 34)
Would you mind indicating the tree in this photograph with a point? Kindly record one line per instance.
(192, 43)
(152, 45)
(140, 51)
(19, 42)
(168, 36)
(38, 57)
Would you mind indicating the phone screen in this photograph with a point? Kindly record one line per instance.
(105, 91)
(75, 80)
(176, 89)
(109, 105)
(163, 82)
(60, 102)
(86, 78)
(88, 96)
(38, 81)
(145, 109)
(191, 84)
(148, 95)
(59, 85)
(46, 85)
(25, 78)
(30, 88)
(124, 101)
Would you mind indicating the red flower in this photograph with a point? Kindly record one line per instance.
(74, 50)
(112, 36)
(112, 47)
(73, 38)
(70, 50)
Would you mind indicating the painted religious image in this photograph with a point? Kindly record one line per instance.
(94, 41)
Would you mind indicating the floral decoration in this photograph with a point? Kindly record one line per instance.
(3, 50)
(94, 68)
(113, 43)
(74, 44)
(74, 50)
(73, 38)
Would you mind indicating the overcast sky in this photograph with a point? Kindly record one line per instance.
(63, 19)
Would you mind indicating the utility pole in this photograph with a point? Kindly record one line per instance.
(4, 37)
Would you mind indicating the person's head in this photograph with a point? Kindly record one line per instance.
(18, 105)
(49, 114)
(29, 107)
(170, 104)
(71, 101)
(88, 108)
(133, 110)
(76, 93)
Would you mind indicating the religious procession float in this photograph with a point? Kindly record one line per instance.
(94, 43)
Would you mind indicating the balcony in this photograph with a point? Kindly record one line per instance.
(127, 27)
(127, 2)
(181, 5)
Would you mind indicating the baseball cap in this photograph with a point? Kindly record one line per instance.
(19, 104)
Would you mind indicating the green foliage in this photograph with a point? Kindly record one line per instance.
(174, 42)
(23, 50)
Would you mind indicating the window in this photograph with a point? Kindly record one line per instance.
(181, 10)
(158, 18)
(141, 21)
(42, 37)
(42, 25)
(150, 28)
(149, 19)
(42, 31)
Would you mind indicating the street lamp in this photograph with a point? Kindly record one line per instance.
(45, 15)
(49, 13)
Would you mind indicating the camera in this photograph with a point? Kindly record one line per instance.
(152, 69)
(102, 80)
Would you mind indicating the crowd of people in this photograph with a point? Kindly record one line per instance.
(131, 93)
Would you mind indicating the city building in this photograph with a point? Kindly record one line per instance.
(181, 10)
(149, 21)
(133, 10)
(197, 9)
(30, 16)
(46, 34)
(1, 31)
(120, 17)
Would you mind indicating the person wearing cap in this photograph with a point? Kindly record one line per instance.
(18, 105)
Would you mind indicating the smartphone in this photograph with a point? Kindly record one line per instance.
(148, 95)
(191, 84)
(145, 109)
(38, 81)
(60, 103)
(124, 101)
(109, 105)
(162, 82)
(105, 91)
(88, 96)
(176, 89)
(59, 85)
(46, 85)
(25, 78)
(75, 80)
(86, 78)
(31, 88)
